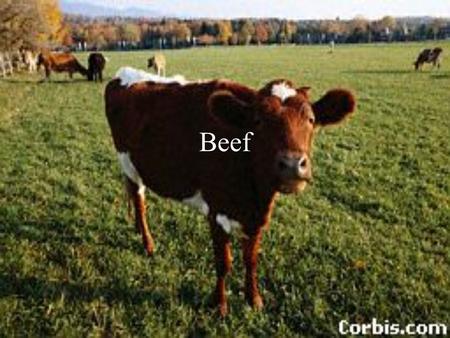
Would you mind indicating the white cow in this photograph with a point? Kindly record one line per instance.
(5, 64)
(30, 60)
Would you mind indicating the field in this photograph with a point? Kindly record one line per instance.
(369, 239)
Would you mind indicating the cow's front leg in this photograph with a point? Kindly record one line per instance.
(223, 258)
(250, 248)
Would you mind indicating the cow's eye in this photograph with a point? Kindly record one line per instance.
(311, 120)
(257, 121)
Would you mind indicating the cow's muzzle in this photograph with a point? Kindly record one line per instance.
(294, 171)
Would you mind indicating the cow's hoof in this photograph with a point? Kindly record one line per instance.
(223, 310)
(256, 302)
(149, 250)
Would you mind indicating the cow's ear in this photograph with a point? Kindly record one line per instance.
(227, 108)
(334, 107)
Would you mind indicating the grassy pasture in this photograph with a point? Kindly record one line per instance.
(369, 239)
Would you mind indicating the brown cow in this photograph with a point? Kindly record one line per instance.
(157, 129)
(60, 62)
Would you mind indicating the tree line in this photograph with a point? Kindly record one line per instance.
(37, 24)
(130, 33)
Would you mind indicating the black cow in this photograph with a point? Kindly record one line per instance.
(96, 63)
(429, 56)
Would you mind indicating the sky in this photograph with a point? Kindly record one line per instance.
(292, 9)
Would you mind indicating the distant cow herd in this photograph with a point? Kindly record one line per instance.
(17, 61)
(64, 62)
(58, 62)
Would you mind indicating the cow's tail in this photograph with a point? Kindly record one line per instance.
(128, 198)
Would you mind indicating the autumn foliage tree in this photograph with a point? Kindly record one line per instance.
(51, 20)
(31, 24)
(225, 32)
(261, 33)
(19, 24)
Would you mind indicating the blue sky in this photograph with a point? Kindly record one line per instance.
(294, 9)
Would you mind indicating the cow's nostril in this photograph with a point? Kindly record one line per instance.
(303, 162)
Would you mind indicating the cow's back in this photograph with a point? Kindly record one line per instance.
(61, 62)
(159, 126)
(160, 109)
(160, 60)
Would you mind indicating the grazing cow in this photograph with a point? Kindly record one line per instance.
(96, 64)
(158, 63)
(158, 131)
(30, 60)
(60, 62)
(433, 56)
(6, 66)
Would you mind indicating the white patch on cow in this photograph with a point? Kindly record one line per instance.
(129, 76)
(283, 91)
(198, 202)
(227, 224)
(106, 59)
(130, 171)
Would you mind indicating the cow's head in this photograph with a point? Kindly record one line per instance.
(283, 121)
(151, 62)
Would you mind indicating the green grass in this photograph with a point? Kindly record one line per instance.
(369, 239)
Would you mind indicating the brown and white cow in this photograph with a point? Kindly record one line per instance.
(156, 129)
(60, 62)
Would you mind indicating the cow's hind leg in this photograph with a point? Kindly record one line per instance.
(223, 258)
(137, 197)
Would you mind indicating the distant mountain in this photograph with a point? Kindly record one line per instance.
(87, 9)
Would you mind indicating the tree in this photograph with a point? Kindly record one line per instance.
(51, 18)
(359, 26)
(261, 34)
(110, 34)
(182, 33)
(225, 32)
(389, 24)
(129, 32)
(273, 29)
(436, 26)
(20, 24)
(246, 31)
